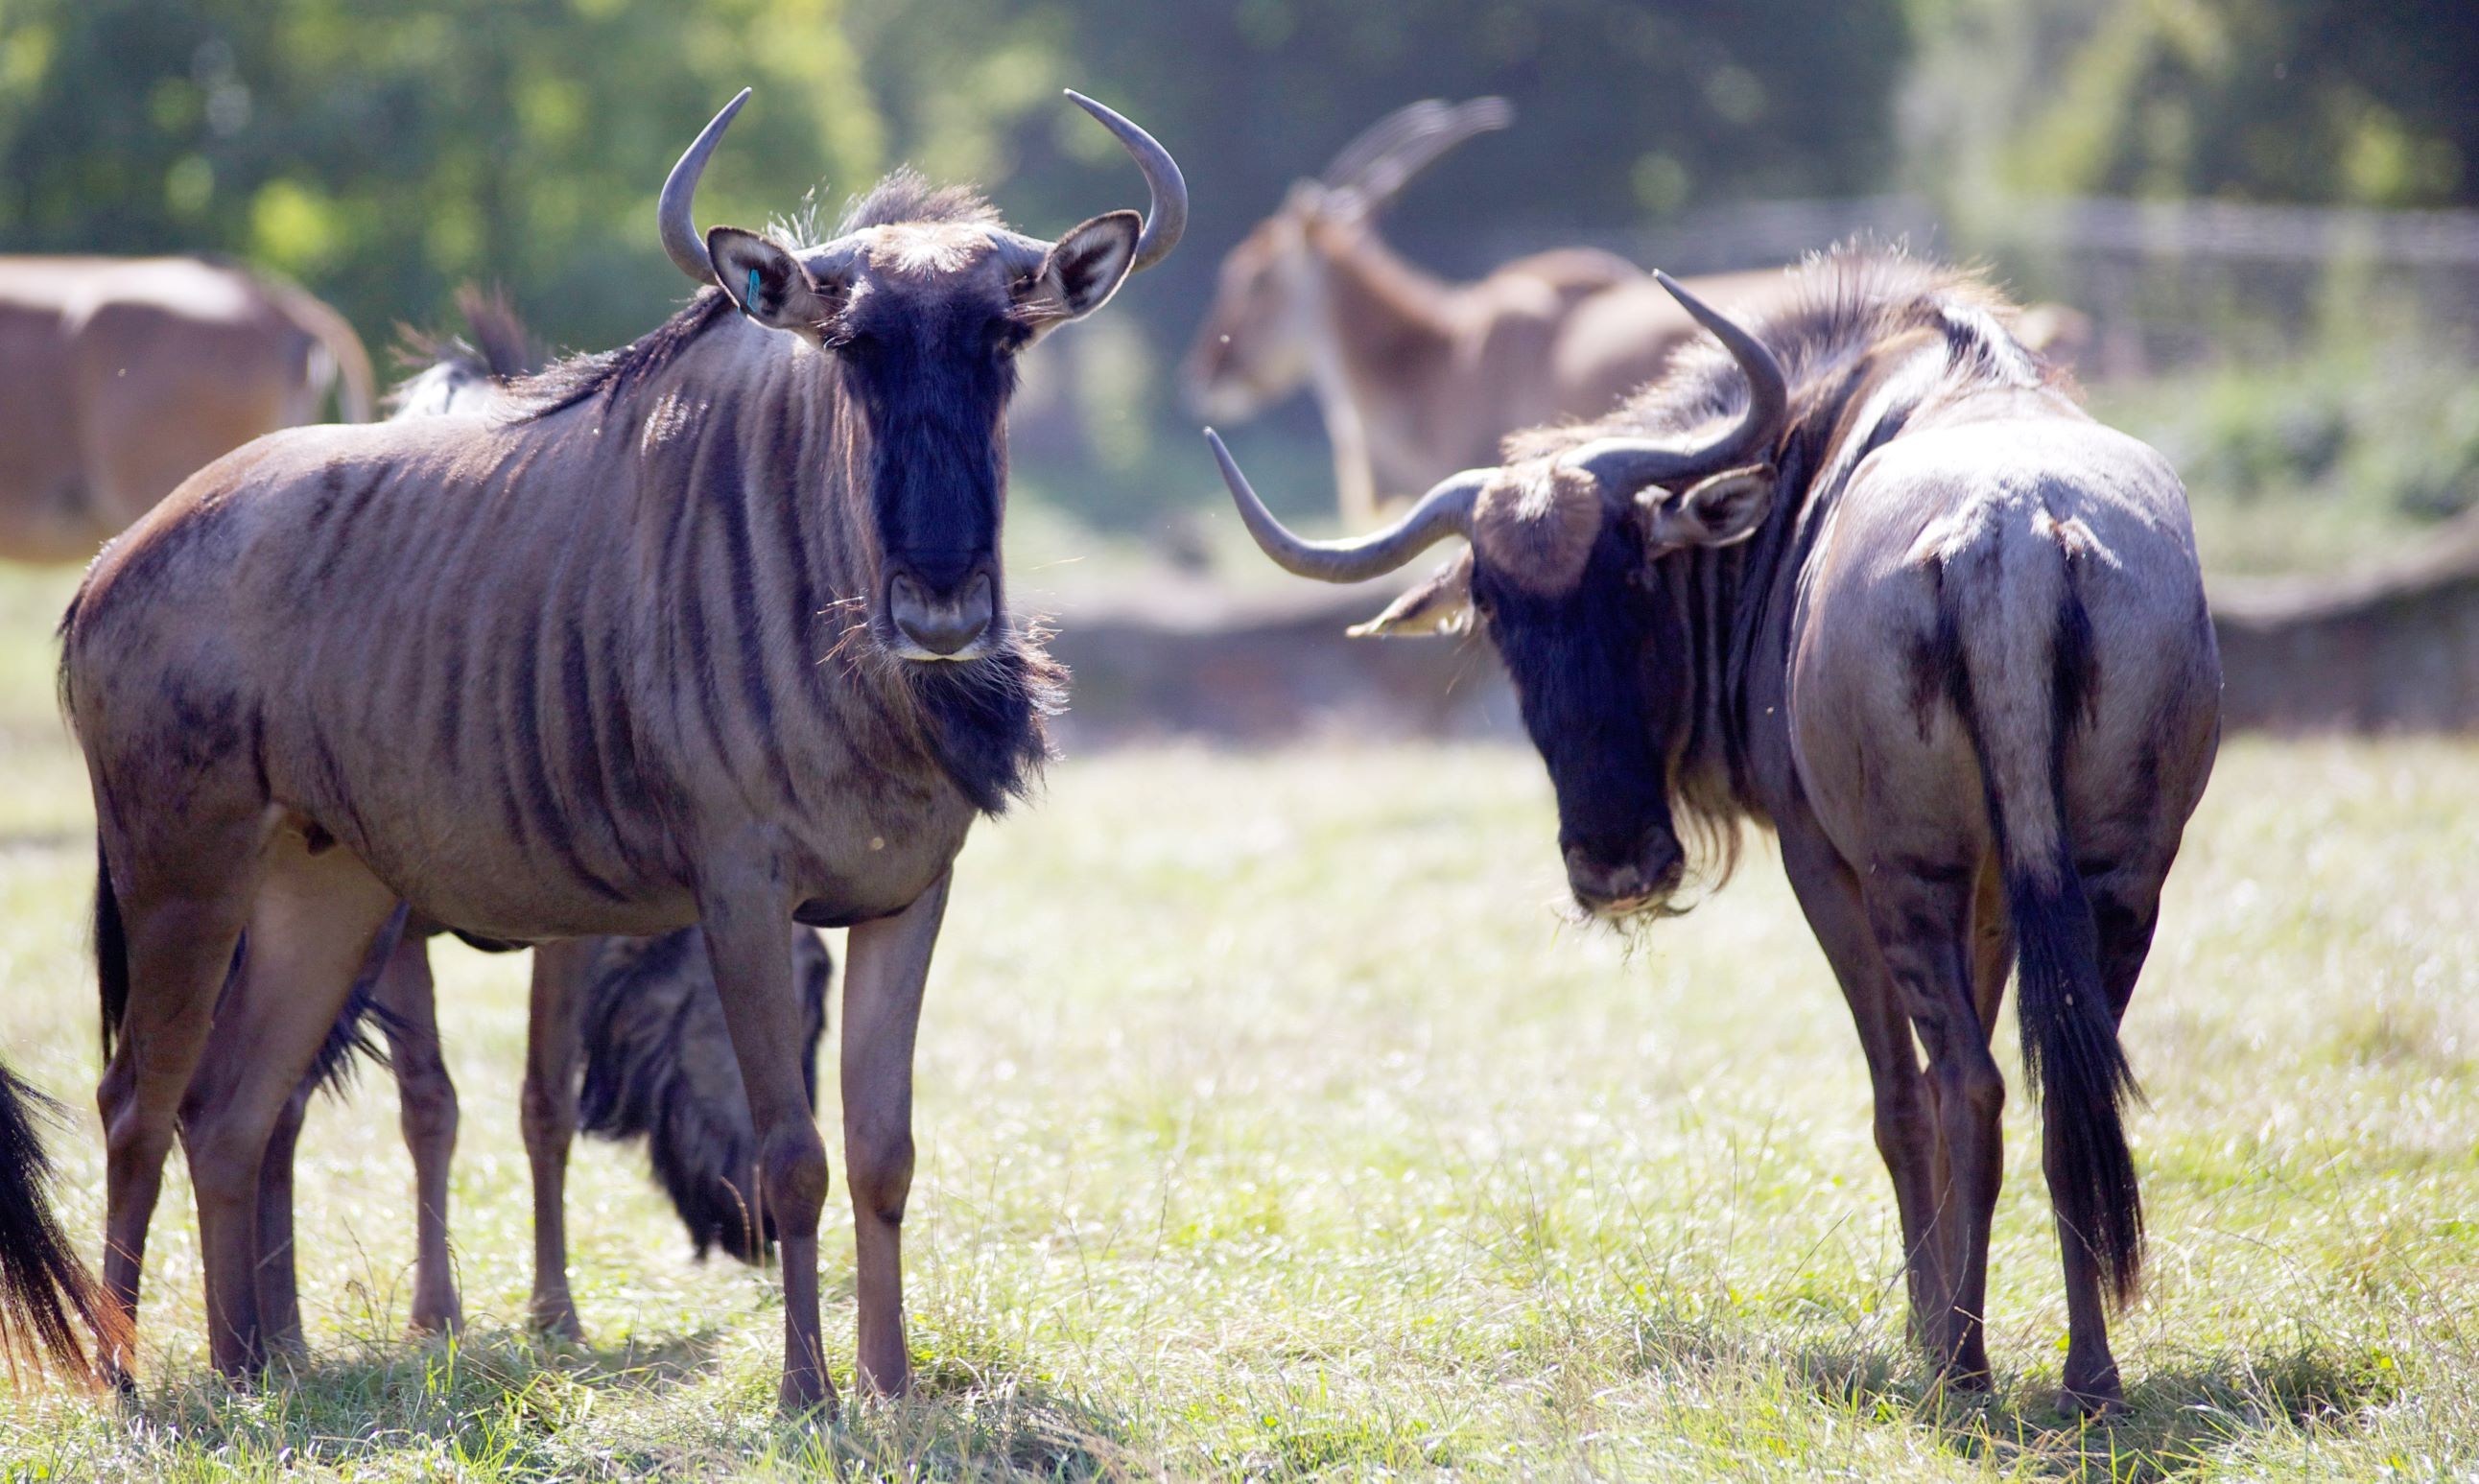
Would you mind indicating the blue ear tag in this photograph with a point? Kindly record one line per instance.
(751, 298)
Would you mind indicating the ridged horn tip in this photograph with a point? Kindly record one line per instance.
(676, 219)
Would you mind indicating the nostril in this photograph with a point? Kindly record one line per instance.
(942, 625)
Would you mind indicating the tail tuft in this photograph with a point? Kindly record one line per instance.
(659, 1065)
(2076, 1066)
(46, 1294)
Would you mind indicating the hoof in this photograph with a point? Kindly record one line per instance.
(449, 1323)
(1964, 1379)
(2099, 1401)
(557, 1320)
(809, 1401)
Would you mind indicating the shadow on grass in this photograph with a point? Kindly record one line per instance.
(2180, 1417)
(498, 1398)
(969, 1419)
(505, 1405)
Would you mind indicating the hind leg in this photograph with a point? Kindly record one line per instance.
(182, 906)
(279, 1290)
(1922, 920)
(311, 926)
(427, 1111)
(549, 1120)
(1830, 897)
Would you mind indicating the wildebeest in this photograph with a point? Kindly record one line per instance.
(119, 377)
(715, 633)
(1417, 378)
(637, 1020)
(1874, 579)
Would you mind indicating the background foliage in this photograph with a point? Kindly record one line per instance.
(383, 153)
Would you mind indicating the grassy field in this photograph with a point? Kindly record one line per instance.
(1274, 1124)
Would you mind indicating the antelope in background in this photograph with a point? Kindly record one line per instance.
(119, 377)
(1417, 378)
(713, 634)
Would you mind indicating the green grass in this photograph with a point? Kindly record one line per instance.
(1274, 1124)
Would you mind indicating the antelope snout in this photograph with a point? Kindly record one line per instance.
(942, 625)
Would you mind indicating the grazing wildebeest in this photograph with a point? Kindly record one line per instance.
(1417, 378)
(654, 1055)
(119, 377)
(715, 633)
(1874, 579)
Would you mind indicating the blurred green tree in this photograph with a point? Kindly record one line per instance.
(383, 153)
(2273, 100)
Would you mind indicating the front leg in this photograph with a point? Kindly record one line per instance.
(746, 937)
(546, 1115)
(886, 963)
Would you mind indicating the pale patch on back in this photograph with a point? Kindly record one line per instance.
(666, 422)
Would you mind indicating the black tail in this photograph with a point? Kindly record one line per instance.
(2075, 1062)
(110, 952)
(46, 1294)
(2021, 727)
(660, 1064)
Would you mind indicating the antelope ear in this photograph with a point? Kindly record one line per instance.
(1439, 605)
(1716, 511)
(1084, 269)
(768, 284)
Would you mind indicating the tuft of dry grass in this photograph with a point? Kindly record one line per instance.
(1274, 1123)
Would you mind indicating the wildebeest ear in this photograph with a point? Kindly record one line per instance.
(768, 284)
(1439, 605)
(1084, 269)
(1714, 511)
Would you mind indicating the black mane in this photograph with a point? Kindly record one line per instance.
(905, 194)
(1849, 298)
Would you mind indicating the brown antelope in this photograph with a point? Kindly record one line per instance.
(714, 633)
(119, 377)
(1417, 378)
(1874, 579)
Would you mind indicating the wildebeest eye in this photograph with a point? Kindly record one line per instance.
(1009, 335)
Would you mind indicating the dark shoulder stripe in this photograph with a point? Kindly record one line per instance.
(732, 491)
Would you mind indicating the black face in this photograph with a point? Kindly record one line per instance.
(1599, 673)
(931, 373)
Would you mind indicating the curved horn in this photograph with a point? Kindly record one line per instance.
(678, 224)
(1412, 124)
(1446, 510)
(1380, 139)
(1165, 188)
(1626, 465)
(1386, 174)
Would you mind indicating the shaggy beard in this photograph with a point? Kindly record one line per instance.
(986, 720)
